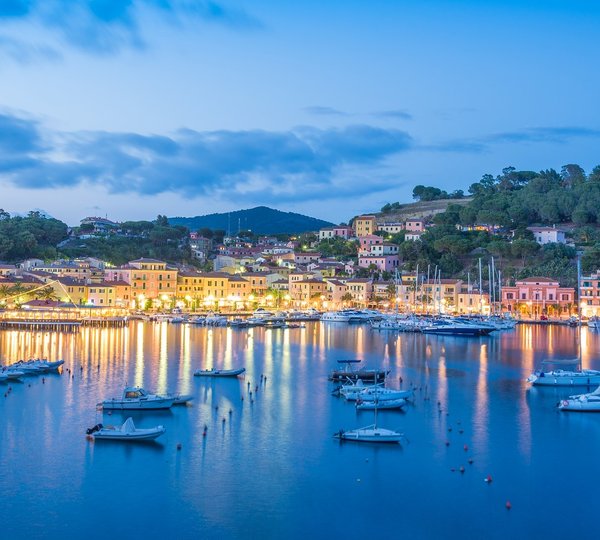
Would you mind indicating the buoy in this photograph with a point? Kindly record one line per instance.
(488, 479)
(43, 380)
(447, 443)
(109, 413)
(178, 446)
(465, 448)
(449, 429)
(508, 505)
(358, 479)
(216, 407)
(223, 420)
(470, 461)
(367, 460)
(452, 469)
(242, 398)
(230, 411)
(462, 469)
(461, 431)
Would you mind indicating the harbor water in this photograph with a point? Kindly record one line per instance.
(269, 467)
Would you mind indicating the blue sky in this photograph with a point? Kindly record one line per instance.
(132, 108)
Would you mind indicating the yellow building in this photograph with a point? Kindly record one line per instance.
(364, 225)
(103, 294)
(361, 290)
(308, 290)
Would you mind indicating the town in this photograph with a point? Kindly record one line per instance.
(281, 274)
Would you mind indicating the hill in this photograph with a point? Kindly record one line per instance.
(260, 220)
(420, 209)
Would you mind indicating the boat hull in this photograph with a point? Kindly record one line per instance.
(385, 404)
(370, 435)
(219, 373)
(154, 405)
(138, 435)
(565, 379)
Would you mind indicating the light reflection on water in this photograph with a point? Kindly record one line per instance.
(273, 463)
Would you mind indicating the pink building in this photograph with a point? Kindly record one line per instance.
(415, 225)
(384, 263)
(537, 296)
(343, 231)
(370, 240)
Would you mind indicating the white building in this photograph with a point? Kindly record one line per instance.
(548, 235)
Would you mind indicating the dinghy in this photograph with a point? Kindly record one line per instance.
(582, 403)
(126, 432)
(219, 372)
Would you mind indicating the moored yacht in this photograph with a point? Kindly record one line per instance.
(136, 398)
(582, 403)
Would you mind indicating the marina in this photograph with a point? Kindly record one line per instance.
(267, 434)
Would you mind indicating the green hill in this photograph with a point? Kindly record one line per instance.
(260, 220)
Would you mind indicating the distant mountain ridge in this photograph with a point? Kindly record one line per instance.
(260, 220)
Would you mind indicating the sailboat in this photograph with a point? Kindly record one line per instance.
(371, 433)
(582, 403)
(560, 377)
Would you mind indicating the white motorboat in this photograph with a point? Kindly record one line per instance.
(219, 372)
(383, 404)
(11, 374)
(594, 323)
(136, 398)
(370, 434)
(335, 316)
(582, 403)
(126, 432)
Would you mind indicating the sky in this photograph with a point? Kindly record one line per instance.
(134, 108)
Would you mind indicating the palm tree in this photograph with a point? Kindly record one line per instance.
(4, 292)
(47, 293)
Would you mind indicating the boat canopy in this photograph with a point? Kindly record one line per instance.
(349, 361)
(561, 361)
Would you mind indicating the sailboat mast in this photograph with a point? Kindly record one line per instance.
(579, 308)
(493, 285)
(480, 290)
(416, 285)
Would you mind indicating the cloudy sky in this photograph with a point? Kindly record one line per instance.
(130, 108)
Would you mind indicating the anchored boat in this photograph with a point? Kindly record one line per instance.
(135, 398)
(126, 432)
(219, 372)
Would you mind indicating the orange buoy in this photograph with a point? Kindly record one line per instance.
(488, 479)
(465, 447)
(508, 505)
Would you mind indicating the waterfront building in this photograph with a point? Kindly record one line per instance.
(336, 291)
(590, 294)
(103, 294)
(361, 290)
(302, 292)
(536, 296)
(364, 226)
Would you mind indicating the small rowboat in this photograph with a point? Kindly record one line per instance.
(126, 432)
(219, 372)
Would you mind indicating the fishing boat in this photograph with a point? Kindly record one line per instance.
(582, 403)
(347, 374)
(126, 432)
(362, 405)
(219, 372)
(136, 398)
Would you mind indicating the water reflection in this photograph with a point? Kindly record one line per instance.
(274, 452)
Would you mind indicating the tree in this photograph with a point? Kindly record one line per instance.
(572, 175)
(524, 248)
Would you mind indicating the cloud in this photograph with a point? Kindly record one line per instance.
(554, 135)
(305, 163)
(102, 26)
(319, 110)
(397, 114)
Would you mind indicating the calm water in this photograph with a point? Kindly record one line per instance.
(272, 470)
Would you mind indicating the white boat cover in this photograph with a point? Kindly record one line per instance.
(128, 426)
